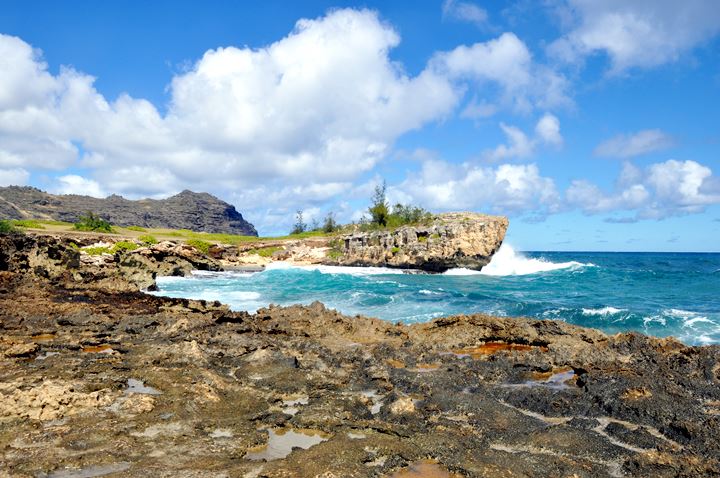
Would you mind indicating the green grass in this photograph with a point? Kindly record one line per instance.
(27, 223)
(202, 246)
(395, 250)
(148, 240)
(96, 251)
(265, 251)
(124, 246)
(6, 227)
(136, 228)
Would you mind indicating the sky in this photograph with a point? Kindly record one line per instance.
(592, 125)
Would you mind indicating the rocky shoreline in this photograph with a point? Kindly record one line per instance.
(99, 379)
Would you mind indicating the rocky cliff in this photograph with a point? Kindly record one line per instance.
(187, 210)
(452, 240)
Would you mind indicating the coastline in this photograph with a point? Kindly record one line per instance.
(476, 394)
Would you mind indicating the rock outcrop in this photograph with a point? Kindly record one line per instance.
(452, 240)
(187, 210)
(97, 380)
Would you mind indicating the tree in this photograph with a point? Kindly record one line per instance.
(300, 225)
(329, 225)
(379, 208)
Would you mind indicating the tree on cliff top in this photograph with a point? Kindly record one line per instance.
(300, 225)
(379, 208)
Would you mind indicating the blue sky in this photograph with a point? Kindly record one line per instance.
(592, 125)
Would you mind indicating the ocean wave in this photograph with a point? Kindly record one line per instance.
(603, 311)
(507, 262)
(461, 271)
(348, 270)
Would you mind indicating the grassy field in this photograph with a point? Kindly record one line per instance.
(136, 232)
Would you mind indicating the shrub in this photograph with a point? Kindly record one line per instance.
(6, 227)
(265, 251)
(201, 246)
(422, 238)
(31, 223)
(74, 246)
(124, 246)
(96, 251)
(136, 228)
(93, 222)
(395, 250)
(148, 240)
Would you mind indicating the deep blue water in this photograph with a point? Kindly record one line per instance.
(656, 293)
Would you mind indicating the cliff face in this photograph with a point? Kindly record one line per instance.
(453, 240)
(187, 210)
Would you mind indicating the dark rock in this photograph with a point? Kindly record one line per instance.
(187, 210)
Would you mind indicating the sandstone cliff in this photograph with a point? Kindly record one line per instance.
(187, 210)
(452, 240)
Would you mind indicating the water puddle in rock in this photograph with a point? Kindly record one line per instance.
(424, 469)
(42, 337)
(89, 472)
(491, 348)
(46, 355)
(98, 349)
(555, 380)
(138, 386)
(376, 400)
(290, 406)
(281, 442)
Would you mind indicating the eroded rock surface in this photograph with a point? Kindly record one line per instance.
(452, 240)
(109, 380)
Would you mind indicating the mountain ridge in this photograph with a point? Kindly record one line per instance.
(200, 212)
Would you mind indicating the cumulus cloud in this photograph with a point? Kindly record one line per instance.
(14, 177)
(519, 145)
(320, 106)
(464, 11)
(636, 34)
(670, 188)
(507, 188)
(635, 144)
(74, 184)
(507, 62)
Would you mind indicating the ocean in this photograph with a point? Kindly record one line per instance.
(660, 294)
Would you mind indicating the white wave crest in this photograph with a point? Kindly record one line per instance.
(354, 271)
(461, 271)
(603, 311)
(507, 262)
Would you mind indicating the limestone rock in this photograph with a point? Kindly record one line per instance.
(453, 240)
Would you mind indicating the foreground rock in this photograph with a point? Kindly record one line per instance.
(103, 380)
(452, 240)
(187, 210)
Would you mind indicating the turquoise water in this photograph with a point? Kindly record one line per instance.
(656, 293)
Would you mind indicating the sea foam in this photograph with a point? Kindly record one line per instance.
(508, 262)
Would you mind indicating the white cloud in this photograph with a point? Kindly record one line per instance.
(74, 184)
(506, 61)
(548, 130)
(519, 145)
(636, 144)
(464, 11)
(14, 177)
(320, 106)
(670, 188)
(507, 188)
(639, 33)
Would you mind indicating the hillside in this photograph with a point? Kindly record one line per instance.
(187, 210)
